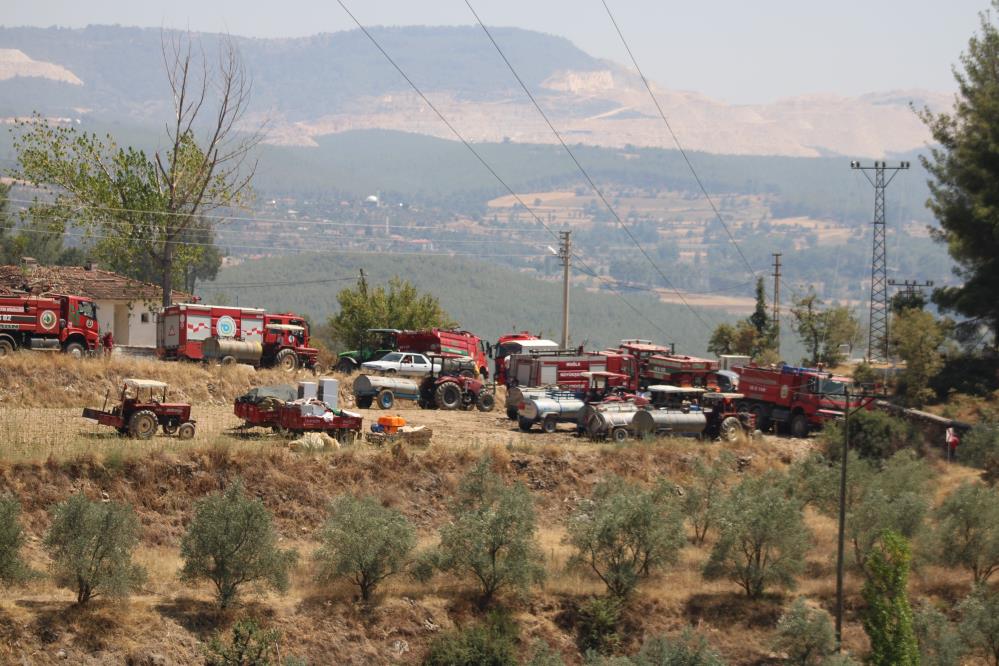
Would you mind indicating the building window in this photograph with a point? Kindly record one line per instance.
(145, 317)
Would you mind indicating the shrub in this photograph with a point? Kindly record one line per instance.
(874, 435)
(887, 617)
(763, 538)
(979, 445)
(805, 634)
(543, 654)
(365, 542)
(688, 649)
(231, 542)
(596, 629)
(624, 533)
(249, 646)
(939, 642)
(702, 500)
(91, 546)
(488, 644)
(979, 625)
(967, 530)
(12, 566)
(491, 535)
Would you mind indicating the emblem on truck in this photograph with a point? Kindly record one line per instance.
(226, 327)
(48, 320)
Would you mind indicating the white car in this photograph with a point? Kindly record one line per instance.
(402, 363)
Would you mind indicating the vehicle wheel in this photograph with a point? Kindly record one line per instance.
(448, 395)
(385, 399)
(346, 366)
(143, 424)
(525, 424)
(390, 371)
(186, 430)
(6, 348)
(318, 369)
(170, 428)
(619, 434)
(730, 429)
(74, 349)
(511, 413)
(799, 426)
(364, 401)
(228, 360)
(762, 417)
(287, 360)
(549, 425)
(486, 402)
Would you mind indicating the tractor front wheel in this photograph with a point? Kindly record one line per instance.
(186, 430)
(730, 429)
(287, 360)
(143, 424)
(448, 396)
(486, 402)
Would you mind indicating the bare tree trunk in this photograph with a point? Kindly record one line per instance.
(166, 278)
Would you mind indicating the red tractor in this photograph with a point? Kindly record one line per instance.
(452, 387)
(139, 415)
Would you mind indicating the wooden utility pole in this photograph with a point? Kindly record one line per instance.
(564, 253)
(776, 315)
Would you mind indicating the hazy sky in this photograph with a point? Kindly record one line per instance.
(735, 50)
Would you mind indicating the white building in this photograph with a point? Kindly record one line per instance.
(126, 307)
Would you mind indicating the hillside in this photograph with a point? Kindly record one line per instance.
(483, 298)
(311, 87)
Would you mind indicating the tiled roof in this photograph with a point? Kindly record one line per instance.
(95, 283)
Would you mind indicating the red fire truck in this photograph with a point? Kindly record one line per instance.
(680, 370)
(240, 334)
(801, 398)
(517, 343)
(53, 322)
(446, 343)
(566, 369)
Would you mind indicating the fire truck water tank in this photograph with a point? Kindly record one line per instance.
(668, 421)
(243, 351)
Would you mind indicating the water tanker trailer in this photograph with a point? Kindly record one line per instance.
(549, 410)
(608, 419)
(384, 391)
(517, 394)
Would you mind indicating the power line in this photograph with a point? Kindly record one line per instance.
(579, 166)
(676, 140)
(482, 160)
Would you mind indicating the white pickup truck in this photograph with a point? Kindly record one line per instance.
(402, 363)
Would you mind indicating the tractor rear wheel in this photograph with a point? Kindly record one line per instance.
(799, 426)
(550, 424)
(287, 360)
(186, 430)
(486, 402)
(346, 366)
(730, 429)
(448, 395)
(6, 348)
(143, 424)
(74, 350)
(385, 399)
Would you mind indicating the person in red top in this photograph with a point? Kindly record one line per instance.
(952, 440)
(107, 341)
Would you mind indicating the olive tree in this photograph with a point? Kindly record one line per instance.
(364, 542)
(979, 625)
(702, 499)
(491, 535)
(91, 545)
(232, 543)
(624, 532)
(762, 536)
(12, 566)
(805, 634)
(967, 530)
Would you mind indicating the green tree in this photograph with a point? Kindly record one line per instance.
(365, 542)
(492, 535)
(939, 642)
(760, 319)
(963, 186)
(916, 337)
(805, 634)
(704, 497)
(140, 208)
(490, 643)
(12, 566)
(887, 617)
(763, 537)
(967, 530)
(753, 336)
(623, 533)
(399, 306)
(823, 331)
(722, 340)
(979, 625)
(687, 649)
(249, 646)
(231, 542)
(91, 546)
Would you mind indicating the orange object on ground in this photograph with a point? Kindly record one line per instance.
(391, 423)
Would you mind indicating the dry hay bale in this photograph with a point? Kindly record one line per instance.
(313, 441)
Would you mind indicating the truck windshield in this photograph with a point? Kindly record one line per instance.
(830, 386)
(88, 309)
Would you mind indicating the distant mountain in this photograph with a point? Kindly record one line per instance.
(315, 86)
